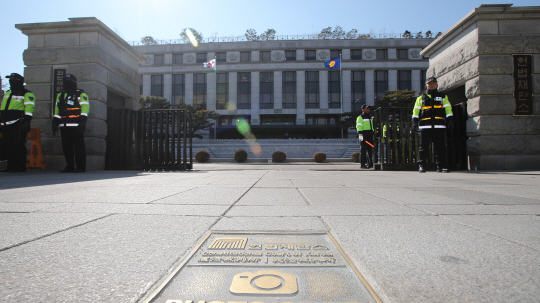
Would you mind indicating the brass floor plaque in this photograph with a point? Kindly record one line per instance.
(265, 267)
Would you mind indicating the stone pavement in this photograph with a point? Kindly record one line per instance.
(111, 236)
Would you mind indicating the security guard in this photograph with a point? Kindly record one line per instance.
(431, 114)
(364, 127)
(16, 112)
(70, 115)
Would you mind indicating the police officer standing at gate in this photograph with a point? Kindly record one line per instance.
(70, 115)
(16, 112)
(364, 127)
(431, 114)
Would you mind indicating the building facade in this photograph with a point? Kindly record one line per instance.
(282, 87)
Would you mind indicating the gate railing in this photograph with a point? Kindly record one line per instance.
(398, 150)
(149, 139)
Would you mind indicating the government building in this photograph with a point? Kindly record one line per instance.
(281, 87)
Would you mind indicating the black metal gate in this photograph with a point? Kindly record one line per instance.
(397, 148)
(149, 139)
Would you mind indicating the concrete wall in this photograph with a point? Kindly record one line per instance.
(477, 53)
(104, 64)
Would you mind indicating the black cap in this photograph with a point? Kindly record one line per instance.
(15, 76)
(70, 77)
(365, 106)
(431, 79)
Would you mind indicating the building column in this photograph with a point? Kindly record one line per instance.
(300, 97)
(233, 79)
(415, 81)
(147, 84)
(211, 91)
(370, 87)
(392, 80)
(323, 89)
(255, 116)
(346, 84)
(188, 86)
(167, 87)
(278, 89)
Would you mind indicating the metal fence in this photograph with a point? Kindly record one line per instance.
(398, 150)
(149, 139)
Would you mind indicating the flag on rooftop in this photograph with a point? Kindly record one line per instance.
(211, 63)
(334, 63)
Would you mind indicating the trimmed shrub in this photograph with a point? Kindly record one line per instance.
(355, 156)
(279, 156)
(319, 157)
(240, 155)
(202, 156)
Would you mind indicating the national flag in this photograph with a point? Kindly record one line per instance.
(211, 63)
(334, 63)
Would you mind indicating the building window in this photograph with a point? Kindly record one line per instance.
(310, 55)
(335, 53)
(178, 59)
(244, 91)
(382, 54)
(356, 54)
(289, 90)
(245, 56)
(156, 88)
(381, 83)
(403, 54)
(199, 91)
(221, 57)
(423, 78)
(266, 90)
(158, 59)
(358, 90)
(312, 89)
(222, 90)
(290, 55)
(334, 89)
(178, 90)
(404, 79)
(264, 56)
(201, 57)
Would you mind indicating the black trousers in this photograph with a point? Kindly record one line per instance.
(14, 144)
(73, 147)
(366, 151)
(427, 135)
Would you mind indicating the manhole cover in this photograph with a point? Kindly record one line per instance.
(265, 267)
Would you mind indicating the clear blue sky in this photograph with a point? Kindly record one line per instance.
(165, 19)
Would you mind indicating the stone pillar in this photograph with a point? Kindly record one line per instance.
(188, 85)
(233, 81)
(255, 116)
(211, 91)
(392, 79)
(147, 85)
(300, 97)
(167, 87)
(323, 89)
(415, 81)
(370, 87)
(278, 86)
(104, 64)
(346, 83)
(478, 51)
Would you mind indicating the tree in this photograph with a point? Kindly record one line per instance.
(326, 33)
(251, 35)
(351, 34)
(338, 33)
(348, 119)
(148, 40)
(269, 34)
(396, 98)
(200, 119)
(419, 35)
(407, 35)
(364, 36)
(429, 34)
(438, 34)
(153, 102)
(185, 38)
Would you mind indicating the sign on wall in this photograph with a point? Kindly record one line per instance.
(523, 85)
(57, 86)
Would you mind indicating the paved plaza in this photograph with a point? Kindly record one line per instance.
(114, 236)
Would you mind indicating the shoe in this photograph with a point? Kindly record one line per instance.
(363, 166)
(67, 170)
(79, 170)
(421, 168)
(445, 170)
(439, 170)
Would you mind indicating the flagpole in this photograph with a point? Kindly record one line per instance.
(341, 91)
(215, 98)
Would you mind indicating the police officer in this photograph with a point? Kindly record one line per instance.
(16, 112)
(364, 127)
(70, 115)
(431, 114)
